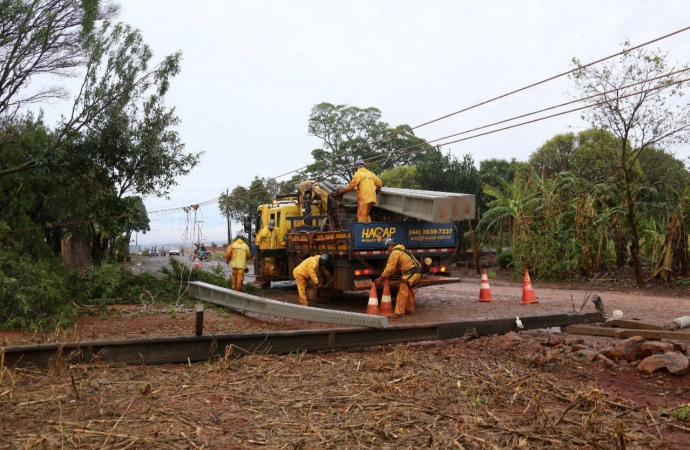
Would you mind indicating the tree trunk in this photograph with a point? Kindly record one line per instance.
(620, 244)
(98, 247)
(630, 214)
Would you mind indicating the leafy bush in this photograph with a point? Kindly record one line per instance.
(111, 284)
(41, 294)
(178, 271)
(34, 295)
(505, 259)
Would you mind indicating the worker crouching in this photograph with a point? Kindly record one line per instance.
(401, 260)
(309, 270)
(237, 255)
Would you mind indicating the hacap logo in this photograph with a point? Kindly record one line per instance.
(378, 233)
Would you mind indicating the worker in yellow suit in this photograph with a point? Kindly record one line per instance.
(401, 260)
(367, 185)
(237, 255)
(309, 270)
(267, 238)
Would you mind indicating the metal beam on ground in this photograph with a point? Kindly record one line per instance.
(183, 349)
(631, 324)
(622, 333)
(244, 302)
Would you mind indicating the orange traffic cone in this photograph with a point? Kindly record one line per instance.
(527, 291)
(484, 289)
(196, 263)
(373, 306)
(386, 301)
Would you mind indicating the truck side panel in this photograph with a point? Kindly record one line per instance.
(426, 235)
(370, 236)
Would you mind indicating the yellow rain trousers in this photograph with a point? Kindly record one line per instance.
(400, 261)
(236, 255)
(367, 184)
(307, 270)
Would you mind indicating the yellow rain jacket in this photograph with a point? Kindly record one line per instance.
(366, 183)
(237, 254)
(400, 261)
(267, 238)
(309, 268)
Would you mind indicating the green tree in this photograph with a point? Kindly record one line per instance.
(43, 37)
(349, 133)
(512, 211)
(555, 155)
(242, 200)
(116, 62)
(441, 172)
(641, 117)
(400, 177)
(587, 154)
(118, 144)
(492, 171)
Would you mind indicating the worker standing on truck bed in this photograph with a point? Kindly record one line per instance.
(309, 270)
(237, 255)
(267, 238)
(401, 260)
(367, 185)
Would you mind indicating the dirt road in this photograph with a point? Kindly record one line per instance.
(512, 391)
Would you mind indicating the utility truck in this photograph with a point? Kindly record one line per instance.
(315, 220)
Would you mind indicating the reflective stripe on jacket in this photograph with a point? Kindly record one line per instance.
(401, 261)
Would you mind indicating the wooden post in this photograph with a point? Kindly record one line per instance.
(199, 319)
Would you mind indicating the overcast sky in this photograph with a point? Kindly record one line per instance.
(252, 71)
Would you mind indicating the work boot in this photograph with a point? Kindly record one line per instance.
(396, 316)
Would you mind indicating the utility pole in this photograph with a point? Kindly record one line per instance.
(227, 214)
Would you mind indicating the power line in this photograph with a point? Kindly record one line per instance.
(214, 200)
(376, 158)
(552, 115)
(209, 202)
(580, 67)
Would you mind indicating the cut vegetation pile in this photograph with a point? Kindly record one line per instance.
(394, 397)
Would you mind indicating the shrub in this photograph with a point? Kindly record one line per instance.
(34, 295)
(178, 271)
(42, 295)
(505, 259)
